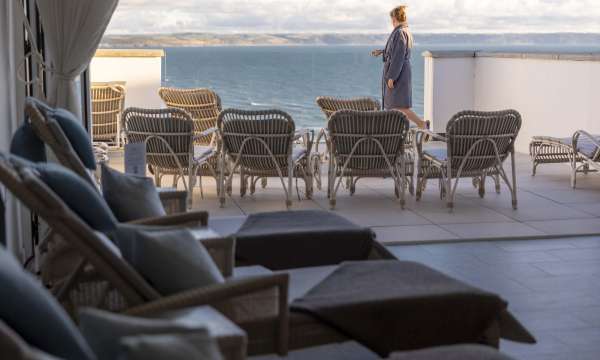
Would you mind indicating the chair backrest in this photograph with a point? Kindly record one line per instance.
(203, 104)
(475, 136)
(50, 132)
(255, 138)
(167, 133)
(108, 101)
(23, 182)
(365, 136)
(329, 105)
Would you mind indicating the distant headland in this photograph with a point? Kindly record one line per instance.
(285, 39)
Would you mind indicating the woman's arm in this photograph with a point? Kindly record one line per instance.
(396, 54)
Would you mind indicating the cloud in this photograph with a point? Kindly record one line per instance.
(229, 16)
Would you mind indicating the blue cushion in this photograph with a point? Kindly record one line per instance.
(439, 153)
(175, 346)
(129, 196)
(78, 137)
(31, 311)
(25, 143)
(79, 195)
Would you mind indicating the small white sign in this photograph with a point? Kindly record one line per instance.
(135, 159)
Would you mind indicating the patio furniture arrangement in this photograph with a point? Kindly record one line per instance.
(258, 301)
(581, 152)
(261, 144)
(475, 145)
(169, 138)
(50, 132)
(108, 102)
(366, 144)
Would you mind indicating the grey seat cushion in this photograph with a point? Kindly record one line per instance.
(298, 152)
(31, 311)
(439, 153)
(171, 260)
(130, 197)
(455, 352)
(201, 151)
(79, 195)
(78, 137)
(197, 345)
(26, 144)
(104, 330)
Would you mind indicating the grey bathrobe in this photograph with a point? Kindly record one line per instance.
(396, 59)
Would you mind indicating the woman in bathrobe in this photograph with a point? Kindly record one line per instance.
(397, 75)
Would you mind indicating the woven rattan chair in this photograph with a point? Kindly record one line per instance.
(366, 144)
(50, 132)
(475, 145)
(108, 102)
(581, 151)
(261, 145)
(170, 149)
(328, 106)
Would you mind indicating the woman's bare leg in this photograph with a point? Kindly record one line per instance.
(414, 118)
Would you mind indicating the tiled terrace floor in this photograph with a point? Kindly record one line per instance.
(547, 207)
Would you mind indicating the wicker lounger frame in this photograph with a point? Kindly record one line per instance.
(550, 150)
(108, 102)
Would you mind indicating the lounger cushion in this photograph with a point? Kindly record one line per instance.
(196, 345)
(80, 196)
(26, 144)
(454, 352)
(104, 330)
(171, 260)
(25, 303)
(79, 138)
(201, 151)
(440, 154)
(130, 197)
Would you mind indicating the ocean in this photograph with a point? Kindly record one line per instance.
(290, 78)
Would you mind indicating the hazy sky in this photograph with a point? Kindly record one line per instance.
(227, 16)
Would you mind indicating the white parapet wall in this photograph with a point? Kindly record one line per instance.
(556, 94)
(139, 69)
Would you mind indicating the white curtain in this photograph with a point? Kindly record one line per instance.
(73, 30)
(11, 94)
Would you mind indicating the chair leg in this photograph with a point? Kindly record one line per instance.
(190, 189)
(221, 181)
(514, 180)
(449, 193)
(497, 183)
(288, 200)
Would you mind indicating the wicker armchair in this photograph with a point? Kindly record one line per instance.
(170, 149)
(475, 145)
(108, 102)
(366, 144)
(261, 145)
(581, 151)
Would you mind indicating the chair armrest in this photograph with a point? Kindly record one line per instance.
(219, 293)
(222, 251)
(206, 132)
(423, 135)
(192, 218)
(307, 136)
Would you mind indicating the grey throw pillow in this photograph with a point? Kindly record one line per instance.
(79, 195)
(130, 197)
(197, 345)
(171, 260)
(104, 330)
(25, 305)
